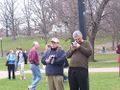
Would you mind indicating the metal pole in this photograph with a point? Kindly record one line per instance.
(81, 8)
(1, 49)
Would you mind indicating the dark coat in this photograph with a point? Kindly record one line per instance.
(56, 67)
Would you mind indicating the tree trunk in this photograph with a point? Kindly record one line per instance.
(92, 41)
(28, 29)
(13, 29)
(6, 22)
(7, 35)
(113, 41)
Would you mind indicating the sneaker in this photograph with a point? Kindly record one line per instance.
(29, 88)
(24, 78)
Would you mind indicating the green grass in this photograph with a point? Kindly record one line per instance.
(22, 85)
(103, 39)
(26, 43)
(104, 81)
(103, 64)
(104, 57)
(2, 64)
(98, 81)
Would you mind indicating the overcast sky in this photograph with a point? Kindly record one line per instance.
(18, 13)
(19, 5)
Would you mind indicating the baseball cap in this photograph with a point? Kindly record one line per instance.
(56, 40)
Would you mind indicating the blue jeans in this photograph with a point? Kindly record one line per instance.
(36, 75)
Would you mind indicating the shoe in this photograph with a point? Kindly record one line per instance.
(29, 88)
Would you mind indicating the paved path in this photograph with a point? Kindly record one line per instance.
(103, 69)
(4, 74)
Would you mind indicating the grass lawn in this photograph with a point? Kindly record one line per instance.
(101, 61)
(98, 81)
(22, 85)
(26, 43)
(104, 81)
(103, 64)
(105, 57)
(103, 39)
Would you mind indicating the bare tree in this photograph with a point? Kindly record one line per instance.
(27, 14)
(43, 15)
(95, 20)
(115, 20)
(10, 8)
(4, 16)
(67, 12)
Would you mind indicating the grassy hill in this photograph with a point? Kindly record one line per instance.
(26, 43)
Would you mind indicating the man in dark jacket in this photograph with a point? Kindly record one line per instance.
(54, 58)
(79, 52)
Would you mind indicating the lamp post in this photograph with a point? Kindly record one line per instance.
(81, 10)
(1, 47)
(82, 28)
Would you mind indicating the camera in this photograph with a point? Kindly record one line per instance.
(52, 58)
(74, 43)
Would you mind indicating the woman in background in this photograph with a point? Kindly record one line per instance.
(11, 57)
(21, 61)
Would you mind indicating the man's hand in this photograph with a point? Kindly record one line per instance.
(75, 45)
(48, 60)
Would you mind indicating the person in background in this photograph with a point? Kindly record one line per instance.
(54, 58)
(33, 58)
(118, 57)
(66, 65)
(25, 54)
(79, 52)
(47, 46)
(16, 62)
(11, 57)
(21, 61)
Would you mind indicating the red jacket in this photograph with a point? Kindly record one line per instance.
(33, 56)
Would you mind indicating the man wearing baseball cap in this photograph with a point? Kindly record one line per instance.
(56, 40)
(54, 58)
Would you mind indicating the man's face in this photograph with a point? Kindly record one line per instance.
(54, 44)
(78, 39)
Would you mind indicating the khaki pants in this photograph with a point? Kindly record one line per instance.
(55, 82)
(21, 69)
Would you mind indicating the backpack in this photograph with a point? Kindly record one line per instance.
(25, 57)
